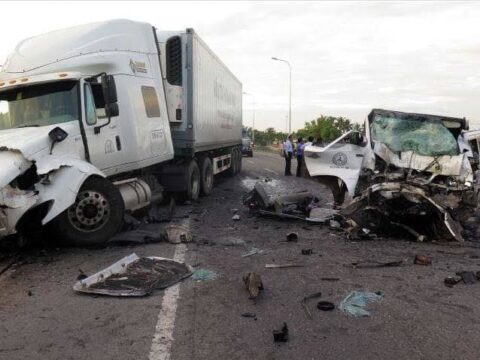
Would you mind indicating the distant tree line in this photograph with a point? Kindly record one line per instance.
(324, 128)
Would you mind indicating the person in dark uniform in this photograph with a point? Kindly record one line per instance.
(300, 146)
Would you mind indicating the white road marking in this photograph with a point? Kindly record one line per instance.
(163, 337)
(272, 171)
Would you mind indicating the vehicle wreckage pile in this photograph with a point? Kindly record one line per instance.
(409, 174)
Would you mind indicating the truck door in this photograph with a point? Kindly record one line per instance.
(105, 147)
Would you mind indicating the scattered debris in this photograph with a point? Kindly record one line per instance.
(204, 275)
(329, 279)
(137, 236)
(369, 264)
(281, 335)
(253, 283)
(281, 266)
(236, 217)
(134, 276)
(306, 299)
(296, 206)
(234, 211)
(354, 304)
(468, 277)
(292, 237)
(82, 275)
(422, 260)
(450, 281)
(325, 306)
(334, 224)
(250, 315)
(307, 251)
(232, 241)
(254, 251)
(177, 234)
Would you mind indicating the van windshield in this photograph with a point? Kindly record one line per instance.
(422, 136)
(39, 105)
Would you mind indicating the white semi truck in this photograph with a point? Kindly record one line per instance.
(107, 117)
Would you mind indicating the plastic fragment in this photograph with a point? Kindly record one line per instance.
(354, 304)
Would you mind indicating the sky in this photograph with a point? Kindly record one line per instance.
(346, 57)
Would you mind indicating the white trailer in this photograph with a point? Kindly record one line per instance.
(107, 117)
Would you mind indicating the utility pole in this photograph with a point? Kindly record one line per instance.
(289, 93)
(253, 120)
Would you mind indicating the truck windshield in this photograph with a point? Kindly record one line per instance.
(39, 105)
(422, 136)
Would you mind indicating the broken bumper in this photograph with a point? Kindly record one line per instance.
(14, 203)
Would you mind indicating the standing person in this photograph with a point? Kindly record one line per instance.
(288, 150)
(300, 147)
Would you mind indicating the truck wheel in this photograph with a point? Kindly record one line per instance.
(233, 170)
(206, 179)
(193, 178)
(240, 159)
(96, 215)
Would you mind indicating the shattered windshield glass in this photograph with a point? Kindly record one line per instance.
(422, 136)
(39, 105)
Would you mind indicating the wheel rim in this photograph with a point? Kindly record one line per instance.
(90, 212)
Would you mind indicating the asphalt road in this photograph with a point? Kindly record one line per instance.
(41, 317)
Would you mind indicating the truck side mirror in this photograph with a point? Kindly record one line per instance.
(109, 89)
(111, 109)
(57, 135)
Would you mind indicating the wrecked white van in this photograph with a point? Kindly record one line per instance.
(407, 172)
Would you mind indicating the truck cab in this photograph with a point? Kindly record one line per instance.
(85, 129)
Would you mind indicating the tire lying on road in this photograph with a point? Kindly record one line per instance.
(96, 215)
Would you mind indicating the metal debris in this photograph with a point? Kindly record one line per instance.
(254, 251)
(422, 260)
(177, 234)
(292, 237)
(282, 266)
(306, 299)
(236, 217)
(253, 283)
(281, 335)
(369, 264)
(134, 276)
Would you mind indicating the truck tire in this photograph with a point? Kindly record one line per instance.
(240, 159)
(206, 179)
(96, 215)
(233, 170)
(193, 181)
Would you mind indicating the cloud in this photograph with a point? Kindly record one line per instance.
(347, 57)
